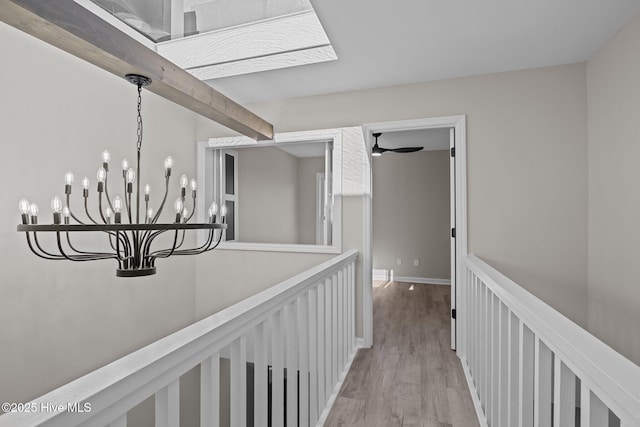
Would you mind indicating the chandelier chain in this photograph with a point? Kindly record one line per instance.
(139, 117)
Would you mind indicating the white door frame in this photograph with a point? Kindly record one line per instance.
(460, 185)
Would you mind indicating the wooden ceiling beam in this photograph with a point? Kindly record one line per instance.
(74, 29)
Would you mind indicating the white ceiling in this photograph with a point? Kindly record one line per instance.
(384, 43)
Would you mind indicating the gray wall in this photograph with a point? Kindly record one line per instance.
(308, 167)
(613, 77)
(527, 157)
(61, 320)
(411, 214)
(268, 195)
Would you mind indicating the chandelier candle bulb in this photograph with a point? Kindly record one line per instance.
(168, 164)
(194, 187)
(178, 205)
(213, 211)
(85, 187)
(23, 205)
(132, 245)
(68, 182)
(33, 211)
(101, 176)
(184, 181)
(106, 158)
(223, 213)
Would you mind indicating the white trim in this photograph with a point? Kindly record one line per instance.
(273, 61)
(422, 280)
(458, 122)
(388, 275)
(321, 135)
(278, 247)
(382, 274)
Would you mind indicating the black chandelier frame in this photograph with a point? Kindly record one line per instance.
(131, 244)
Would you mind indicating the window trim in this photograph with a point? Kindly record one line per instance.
(205, 180)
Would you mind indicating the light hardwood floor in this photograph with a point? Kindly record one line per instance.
(410, 377)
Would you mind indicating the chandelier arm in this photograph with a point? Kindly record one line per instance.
(49, 256)
(150, 239)
(165, 255)
(106, 189)
(119, 239)
(127, 249)
(193, 210)
(86, 211)
(181, 240)
(93, 257)
(100, 208)
(127, 198)
(198, 251)
(201, 249)
(35, 239)
(164, 199)
(78, 251)
(71, 212)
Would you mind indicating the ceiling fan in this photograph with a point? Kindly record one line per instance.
(377, 150)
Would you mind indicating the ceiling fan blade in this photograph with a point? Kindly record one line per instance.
(405, 149)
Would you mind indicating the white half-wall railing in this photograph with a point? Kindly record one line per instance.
(529, 366)
(296, 339)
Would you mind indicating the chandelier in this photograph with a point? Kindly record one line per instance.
(131, 241)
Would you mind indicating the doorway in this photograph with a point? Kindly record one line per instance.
(458, 220)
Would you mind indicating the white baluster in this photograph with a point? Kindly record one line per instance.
(564, 399)
(593, 413)
(483, 371)
(290, 322)
(334, 332)
(526, 368)
(504, 366)
(277, 371)
(313, 355)
(328, 330)
(340, 316)
(352, 305)
(260, 377)
(542, 385)
(210, 391)
(239, 382)
(303, 354)
(168, 405)
(514, 369)
(495, 359)
(322, 365)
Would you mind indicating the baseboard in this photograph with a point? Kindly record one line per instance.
(474, 394)
(424, 280)
(382, 274)
(387, 275)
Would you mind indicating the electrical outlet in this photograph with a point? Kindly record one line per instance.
(416, 262)
(399, 261)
